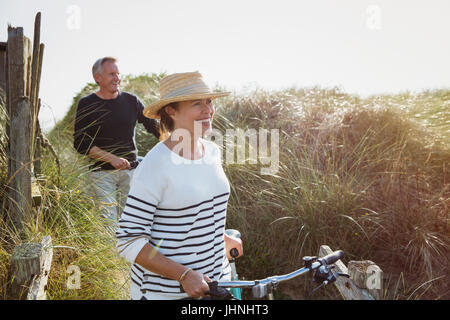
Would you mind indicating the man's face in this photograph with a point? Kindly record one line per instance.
(108, 79)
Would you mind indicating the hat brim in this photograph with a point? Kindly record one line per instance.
(151, 111)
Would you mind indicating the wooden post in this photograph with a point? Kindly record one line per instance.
(367, 276)
(38, 287)
(39, 72)
(3, 65)
(30, 266)
(346, 286)
(37, 132)
(35, 62)
(19, 168)
(35, 193)
(34, 92)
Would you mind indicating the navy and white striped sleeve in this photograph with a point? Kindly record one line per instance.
(134, 228)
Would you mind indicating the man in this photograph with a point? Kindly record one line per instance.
(104, 131)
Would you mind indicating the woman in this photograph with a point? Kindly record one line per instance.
(172, 227)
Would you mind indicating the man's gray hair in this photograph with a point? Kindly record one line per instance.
(98, 65)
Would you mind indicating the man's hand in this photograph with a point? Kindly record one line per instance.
(98, 154)
(120, 163)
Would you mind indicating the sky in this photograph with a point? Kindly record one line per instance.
(364, 47)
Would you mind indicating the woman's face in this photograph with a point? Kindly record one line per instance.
(192, 114)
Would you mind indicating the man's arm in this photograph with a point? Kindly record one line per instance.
(99, 154)
(151, 125)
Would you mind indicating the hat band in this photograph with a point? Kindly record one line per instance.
(188, 90)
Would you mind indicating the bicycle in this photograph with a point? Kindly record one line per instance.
(322, 268)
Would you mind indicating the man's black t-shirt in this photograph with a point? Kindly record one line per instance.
(110, 125)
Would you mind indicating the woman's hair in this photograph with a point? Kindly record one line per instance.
(166, 124)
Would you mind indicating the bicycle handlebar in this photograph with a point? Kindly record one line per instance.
(261, 288)
(327, 260)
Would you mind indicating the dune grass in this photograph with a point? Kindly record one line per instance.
(368, 176)
(362, 176)
(79, 238)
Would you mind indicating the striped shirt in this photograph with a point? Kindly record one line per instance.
(179, 207)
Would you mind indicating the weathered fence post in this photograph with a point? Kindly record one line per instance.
(19, 169)
(367, 276)
(23, 103)
(350, 289)
(38, 50)
(30, 267)
(30, 262)
(35, 64)
(3, 65)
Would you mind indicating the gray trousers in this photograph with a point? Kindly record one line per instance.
(110, 190)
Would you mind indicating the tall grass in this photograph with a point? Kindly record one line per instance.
(369, 176)
(362, 176)
(78, 234)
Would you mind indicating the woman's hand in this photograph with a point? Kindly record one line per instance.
(233, 243)
(195, 284)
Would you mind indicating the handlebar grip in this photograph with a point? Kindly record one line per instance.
(235, 234)
(234, 253)
(332, 257)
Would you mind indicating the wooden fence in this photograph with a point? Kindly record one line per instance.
(20, 79)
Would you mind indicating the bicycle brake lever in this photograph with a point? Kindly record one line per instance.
(332, 276)
(309, 260)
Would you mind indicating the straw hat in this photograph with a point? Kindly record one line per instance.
(181, 87)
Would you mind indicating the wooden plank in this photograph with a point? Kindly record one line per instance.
(35, 192)
(34, 78)
(3, 65)
(346, 286)
(16, 64)
(19, 182)
(7, 107)
(38, 289)
(35, 60)
(27, 56)
(19, 166)
(37, 131)
(39, 72)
